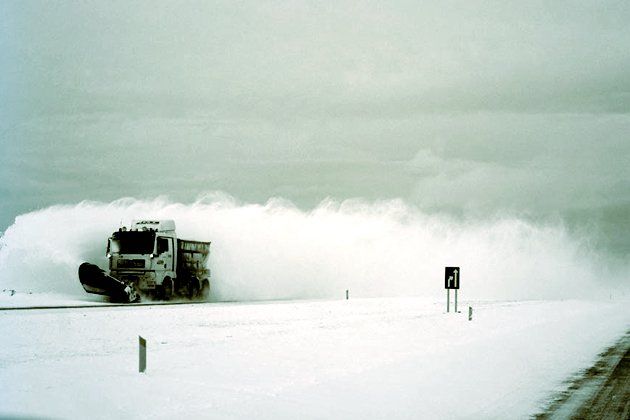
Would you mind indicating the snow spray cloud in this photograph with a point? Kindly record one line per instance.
(276, 251)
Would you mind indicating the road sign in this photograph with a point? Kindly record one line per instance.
(451, 278)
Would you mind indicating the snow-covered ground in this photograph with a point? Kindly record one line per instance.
(10, 298)
(362, 358)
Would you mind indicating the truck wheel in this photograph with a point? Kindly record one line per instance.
(167, 288)
(193, 290)
(205, 290)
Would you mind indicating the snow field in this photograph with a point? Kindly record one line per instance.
(362, 358)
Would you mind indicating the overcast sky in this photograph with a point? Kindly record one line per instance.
(468, 107)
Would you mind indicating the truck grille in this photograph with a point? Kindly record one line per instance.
(130, 263)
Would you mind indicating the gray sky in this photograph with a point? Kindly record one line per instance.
(467, 107)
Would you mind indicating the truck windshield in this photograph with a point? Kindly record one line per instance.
(132, 242)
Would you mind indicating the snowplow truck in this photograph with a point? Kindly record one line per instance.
(149, 260)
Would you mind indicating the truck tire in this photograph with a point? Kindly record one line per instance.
(193, 288)
(205, 290)
(167, 288)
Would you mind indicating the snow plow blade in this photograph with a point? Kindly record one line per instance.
(94, 280)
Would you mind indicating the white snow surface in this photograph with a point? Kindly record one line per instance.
(362, 358)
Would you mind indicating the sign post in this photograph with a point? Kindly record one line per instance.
(455, 300)
(448, 300)
(451, 281)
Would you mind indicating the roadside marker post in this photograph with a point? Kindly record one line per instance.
(142, 354)
(452, 276)
(347, 294)
(470, 313)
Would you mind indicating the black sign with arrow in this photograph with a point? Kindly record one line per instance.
(451, 277)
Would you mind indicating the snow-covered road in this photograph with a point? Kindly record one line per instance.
(362, 358)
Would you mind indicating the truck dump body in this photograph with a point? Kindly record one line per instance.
(193, 258)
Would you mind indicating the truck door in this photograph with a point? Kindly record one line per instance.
(165, 252)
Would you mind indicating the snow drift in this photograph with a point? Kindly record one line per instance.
(277, 251)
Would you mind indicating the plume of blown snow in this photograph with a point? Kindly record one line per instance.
(277, 251)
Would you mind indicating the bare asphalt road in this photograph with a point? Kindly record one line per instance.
(601, 392)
